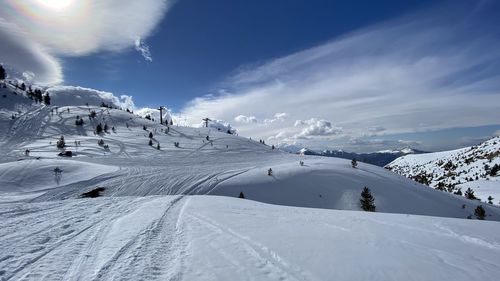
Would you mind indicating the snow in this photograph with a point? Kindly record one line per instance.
(468, 168)
(170, 213)
(221, 238)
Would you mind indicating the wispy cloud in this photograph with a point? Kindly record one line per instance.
(427, 71)
(34, 35)
(143, 49)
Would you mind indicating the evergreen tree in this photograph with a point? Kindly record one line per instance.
(158, 146)
(367, 200)
(494, 170)
(354, 163)
(242, 196)
(98, 128)
(106, 128)
(490, 199)
(3, 75)
(150, 143)
(46, 99)
(480, 213)
(469, 194)
(150, 135)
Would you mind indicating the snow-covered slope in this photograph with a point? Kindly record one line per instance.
(223, 165)
(221, 238)
(456, 169)
(150, 225)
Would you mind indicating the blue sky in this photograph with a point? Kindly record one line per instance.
(356, 75)
(199, 43)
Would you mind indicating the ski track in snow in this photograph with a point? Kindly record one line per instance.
(78, 234)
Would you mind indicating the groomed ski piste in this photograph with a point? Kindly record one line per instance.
(173, 214)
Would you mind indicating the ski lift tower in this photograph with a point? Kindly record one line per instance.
(161, 108)
(206, 121)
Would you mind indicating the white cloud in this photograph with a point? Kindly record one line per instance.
(424, 72)
(316, 128)
(33, 34)
(245, 119)
(143, 49)
(17, 50)
(280, 116)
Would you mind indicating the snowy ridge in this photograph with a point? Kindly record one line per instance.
(456, 169)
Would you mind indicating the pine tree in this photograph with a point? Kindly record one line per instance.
(480, 213)
(3, 75)
(494, 170)
(46, 99)
(242, 196)
(367, 200)
(469, 194)
(150, 143)
(158, 146)
(98, 129)
(150, 135)
(354, 163)
(490, 199)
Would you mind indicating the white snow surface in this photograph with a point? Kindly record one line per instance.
(156, 221)
(467, 168)
(221, 238)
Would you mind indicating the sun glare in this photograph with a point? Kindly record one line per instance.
(56, 4)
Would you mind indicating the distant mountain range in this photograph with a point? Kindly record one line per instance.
(379, 158)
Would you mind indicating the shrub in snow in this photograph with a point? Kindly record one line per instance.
(98, 129)
(66, 153)
(158, 146)
(61, 143)
(106, 128)
(469, 194)
(150, 135)
(479, 212)
(490, 199)
(354, 163)
(93, 193)
(494, 170)
(46, 99)
(270, 172)
(79, 121)
(367, 200)
(2, 73)
(241, 195)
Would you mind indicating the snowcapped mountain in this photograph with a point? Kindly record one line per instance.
(167, 206)
(379, 158)
(471, 167)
